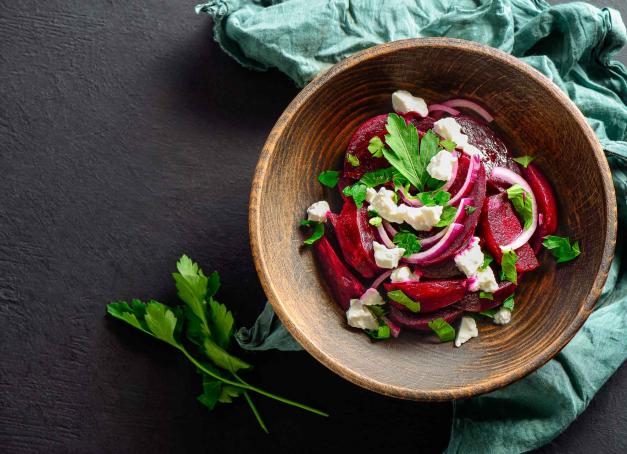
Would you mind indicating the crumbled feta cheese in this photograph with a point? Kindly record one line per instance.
(471, 149)
(402, 274)
(318, 211)
(503, 316)
(441, 165)
(371, 193)
(383, 203)
(451, 130)
(486, 280)
(371, 297)
(423, 218)
(470, 259)
(467, 330)
(387, 258)
(403, 102)
(358, 316)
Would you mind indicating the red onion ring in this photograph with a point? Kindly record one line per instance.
(385, 238)
(472, 106)
(471, 177)
(378, 281)
(443, 108)
(390, 229)
(452, 231)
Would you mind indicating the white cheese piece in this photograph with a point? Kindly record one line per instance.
(467, 330)
(371, 193)
(486, 280)
(503, 316)
(423, 218)
(371, 297)
(471, 149)
(402, 274)
(358, 316)
(451, 130)
(318, 211)
(403, 102)
(470, 259)
(441, 165)
(387, 258)
(383, 203)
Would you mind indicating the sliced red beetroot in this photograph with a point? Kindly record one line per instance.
(477, 194)
(494, 151)
(439, 271)
(499, 226)
(343, 284)
(432, 295)
(547, 206)
(355, 236)
(462, 170)
(358, 147)
(422, 124)
(472, 303)
(420, 322)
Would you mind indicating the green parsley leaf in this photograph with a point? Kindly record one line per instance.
(375, 147)
(561, 248)
(508, 266)
(383, 332)
(407, 241)
(375, 221)
(329, 178)
(318, 232)
(521, 200)
(448, 215)
(487, 259)
(357, 192)
(509, 303)
(448, 145)
(489, 313)
(486, 295)
(442, 329)
(470, 209)
(220, 323)
(352, 159)
(524, 160)
(433, 198)
(377, 177)
(377, 310)
(192, 285)
(211, 391)
(401, 298)
(403, 154)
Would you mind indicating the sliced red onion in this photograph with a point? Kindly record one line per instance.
(390, 229)
(508, 177)
(472, 106)
(443, 108)
(452, 232)
(431, 240)
(471, 177)
(409, 200)
(385, 238)
(378, 281)
(472, 283)
(395, 330)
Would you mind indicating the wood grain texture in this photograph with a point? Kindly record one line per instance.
(537, 118)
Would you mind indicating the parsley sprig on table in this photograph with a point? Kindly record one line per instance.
(202, 330)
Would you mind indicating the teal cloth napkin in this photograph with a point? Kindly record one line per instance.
(572, 44)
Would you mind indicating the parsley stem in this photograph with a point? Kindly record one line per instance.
(281, 399)
(255, 412)
(210, 373)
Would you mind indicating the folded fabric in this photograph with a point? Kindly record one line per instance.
(573, 45)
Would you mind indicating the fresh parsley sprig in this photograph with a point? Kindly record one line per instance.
(561, 248)
(200, 327)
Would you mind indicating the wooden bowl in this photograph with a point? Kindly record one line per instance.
(535, 117)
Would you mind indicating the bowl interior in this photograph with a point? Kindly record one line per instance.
(533, 116)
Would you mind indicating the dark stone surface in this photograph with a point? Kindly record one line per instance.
(128, 138)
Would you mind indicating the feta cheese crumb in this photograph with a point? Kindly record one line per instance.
(423, 218)
(470, 259)
(371, 193)
(371, 297)
(441, 165)
(387, 258)
(358, 316)
(503, 316)
(467, 330)
(486, 280)
(403, 102)
(318, 211)
(403, 274)
(451, 130)
(383, 203)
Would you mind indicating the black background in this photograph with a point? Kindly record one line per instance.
(128, 138)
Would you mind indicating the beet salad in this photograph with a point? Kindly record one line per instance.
(438, 225)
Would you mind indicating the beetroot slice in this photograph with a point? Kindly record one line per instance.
(493, 150)
(472, 303)
(477, 194)
(420, 322)
(547, 206)
(422, 124)
(358, 147)
(462, 170)
(439, 271)
(355, 236)
(432, 295)
(499, 225)
(343, 284)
